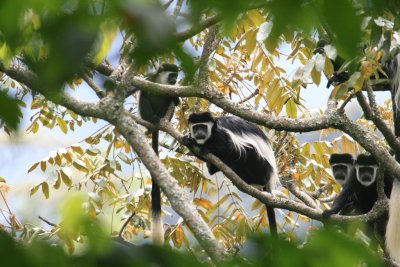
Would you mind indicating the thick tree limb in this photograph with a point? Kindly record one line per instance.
(332, 119)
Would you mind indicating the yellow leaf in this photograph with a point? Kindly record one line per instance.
(273, 94)
(304, 218)
(34, 189)
(269, 76)
(58, 159)
(2, 180)
(297, 176)
(205, 203)
(256, 17)
(366, 69)
(65, 174)
(45, 190)
(256, 205)
(318, 148)
(251, 41)
(33, 167)
(291, 108)
(62, 124)
(77, 149)
(348, 146)
(80, 165)
(316, 76)
(179, 236)
(35, 103)
(43, 166)
(328, 67)
(57, 184)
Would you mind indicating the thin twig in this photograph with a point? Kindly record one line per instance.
(249, 97)
(100, 93)
(47, 221)
(346, 101)
(126, 224)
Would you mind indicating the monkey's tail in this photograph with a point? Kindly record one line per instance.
(393, 225)
(272, 222)
(157, 232)
(272, 219)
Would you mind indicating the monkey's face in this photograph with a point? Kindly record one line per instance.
(366, 174)
(172, 76)
(201, 132)
(341, 172)
(167, 77)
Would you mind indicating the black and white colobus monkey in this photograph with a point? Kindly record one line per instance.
(393, 226)
(241, 145)
(153, 107)
(358, 178)
(359, 192)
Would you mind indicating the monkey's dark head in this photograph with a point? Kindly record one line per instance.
(342, 166)
(201, 125)
(167, 74)
(366, 167)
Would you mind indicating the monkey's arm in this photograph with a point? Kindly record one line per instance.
(344, 198)
(211, 168)
(188, 141)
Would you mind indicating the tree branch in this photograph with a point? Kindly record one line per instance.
(100, 93)
(287, 204)
(112, 110)
(373, 115)
(210, 44)
(203, 24)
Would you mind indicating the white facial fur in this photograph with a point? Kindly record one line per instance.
(349, 168)
(163, 77)
(365, 183)
(209, 125)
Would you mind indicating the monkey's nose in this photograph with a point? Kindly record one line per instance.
(172, 81)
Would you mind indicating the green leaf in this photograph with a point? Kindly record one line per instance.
(10, 112)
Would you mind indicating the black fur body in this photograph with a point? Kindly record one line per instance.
(356, 198)
(153, 107)
(226, 142)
